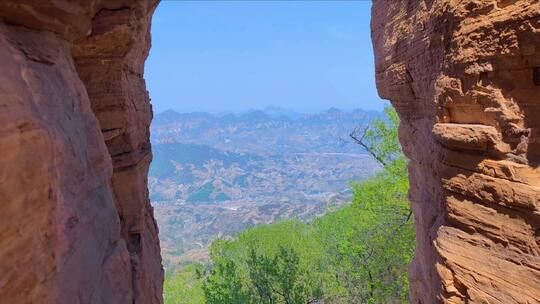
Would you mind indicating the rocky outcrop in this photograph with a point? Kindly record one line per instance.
(76, 225)
(465, 79)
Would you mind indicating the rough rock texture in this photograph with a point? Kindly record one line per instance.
(76, 225)
(465, 78)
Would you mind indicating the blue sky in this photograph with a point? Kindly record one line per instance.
(220, 56)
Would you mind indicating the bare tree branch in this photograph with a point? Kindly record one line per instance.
(360, 141)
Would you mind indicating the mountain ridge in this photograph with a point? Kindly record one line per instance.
(215, 175)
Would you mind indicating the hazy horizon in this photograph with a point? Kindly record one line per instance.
(232, 56)
(267, 108)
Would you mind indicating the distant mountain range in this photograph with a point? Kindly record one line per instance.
(263, 132)
(213, 175)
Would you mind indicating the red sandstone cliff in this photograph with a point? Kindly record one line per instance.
(76, 225)
(465, 79)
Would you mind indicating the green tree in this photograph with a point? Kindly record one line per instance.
(183, 285)
(357, 254)
(370, 258)
(380, 137)
(278, 279)
(223, 285)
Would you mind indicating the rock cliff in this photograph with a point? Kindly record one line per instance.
(76, 225)
(465, 78)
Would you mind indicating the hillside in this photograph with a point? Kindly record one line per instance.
(356, 254)
(214, 175)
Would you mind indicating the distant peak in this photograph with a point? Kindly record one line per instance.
(255, 114)
(333, 110)
(168, 112)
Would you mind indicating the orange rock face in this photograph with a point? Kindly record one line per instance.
(76, 225)
(465, 79)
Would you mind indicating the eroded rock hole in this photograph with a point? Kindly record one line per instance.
(536, 76)
(134, 245)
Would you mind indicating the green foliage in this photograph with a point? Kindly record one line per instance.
(224, 286)
(183, 286)
(373, 254)
(370, 248)
(357, 254)
(274, 262)
(260, 278)
(381, 138)
(277, 279)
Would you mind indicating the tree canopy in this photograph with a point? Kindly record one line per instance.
(357, 254)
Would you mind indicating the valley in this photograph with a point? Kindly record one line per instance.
(215, 175)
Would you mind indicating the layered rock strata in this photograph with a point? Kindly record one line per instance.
(76, 225)
(465, 79)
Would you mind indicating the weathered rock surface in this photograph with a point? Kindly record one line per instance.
(76, 225)
(465, 78)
